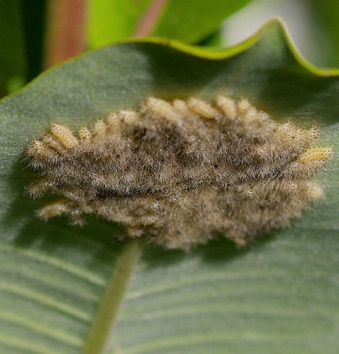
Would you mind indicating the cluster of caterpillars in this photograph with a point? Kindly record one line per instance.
(181, 172)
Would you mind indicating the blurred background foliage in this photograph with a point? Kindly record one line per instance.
(35, 35)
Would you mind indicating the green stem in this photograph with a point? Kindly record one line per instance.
(100, 333)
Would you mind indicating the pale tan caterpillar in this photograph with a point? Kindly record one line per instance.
(181, 172)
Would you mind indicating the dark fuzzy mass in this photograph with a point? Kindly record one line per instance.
(181, 172)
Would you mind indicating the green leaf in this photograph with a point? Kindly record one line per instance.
(193, 20)
(215, 40)
(186, 20)
(326, 28)
(278, 295)
(112, 20)
(12, 61)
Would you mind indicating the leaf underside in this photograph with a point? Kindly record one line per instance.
(277, 295)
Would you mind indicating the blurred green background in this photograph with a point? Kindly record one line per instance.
(25, 26)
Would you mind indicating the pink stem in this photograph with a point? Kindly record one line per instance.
(150, 17)
(66, 31)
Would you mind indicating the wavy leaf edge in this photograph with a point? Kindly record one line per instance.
(207, 53)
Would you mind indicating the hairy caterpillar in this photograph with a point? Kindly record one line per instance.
(181, 172)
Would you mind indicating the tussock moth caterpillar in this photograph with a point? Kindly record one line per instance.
(181, 172)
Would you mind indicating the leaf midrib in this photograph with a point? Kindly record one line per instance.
(101, 330)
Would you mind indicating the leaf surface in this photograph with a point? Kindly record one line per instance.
(277, 295)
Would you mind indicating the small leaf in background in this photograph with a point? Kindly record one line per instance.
(191, 21)
(57, 281)
(112, 20)
(12, 56)
(186, 20)
(214, 40)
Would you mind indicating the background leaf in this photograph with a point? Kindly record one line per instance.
(112, 20)
(277, 295)
(186, 20)
(193, 20)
